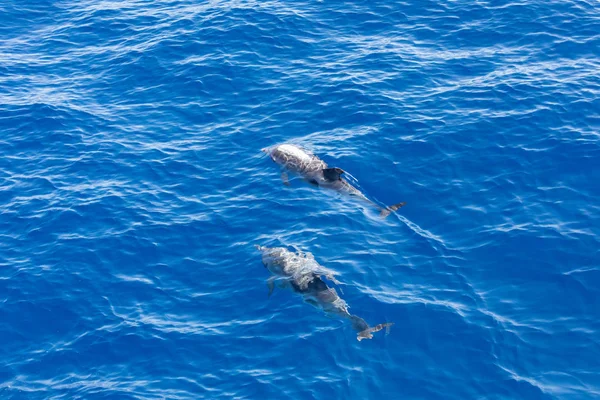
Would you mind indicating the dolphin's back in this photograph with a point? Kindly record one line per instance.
(313, 284)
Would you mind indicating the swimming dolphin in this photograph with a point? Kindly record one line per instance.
(303, 274)
(294, 159)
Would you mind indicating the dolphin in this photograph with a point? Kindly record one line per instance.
(295, 159)
(300, 272)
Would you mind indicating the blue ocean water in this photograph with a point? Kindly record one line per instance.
(133, 188)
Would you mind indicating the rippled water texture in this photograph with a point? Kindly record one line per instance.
(133, 188)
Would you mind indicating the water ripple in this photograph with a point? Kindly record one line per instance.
(132, 188)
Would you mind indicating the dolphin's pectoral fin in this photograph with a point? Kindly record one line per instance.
(285, 178)
(388, 210)
(271, 285)
(312, 302)
(333, 174)
(282, 284)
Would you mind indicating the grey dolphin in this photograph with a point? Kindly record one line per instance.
(302, 274)
(295, 159)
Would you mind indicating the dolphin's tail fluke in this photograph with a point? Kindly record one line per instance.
(389, 209)
(363, 329)
(368, 333)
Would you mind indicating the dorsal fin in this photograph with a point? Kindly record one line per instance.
(333, 174)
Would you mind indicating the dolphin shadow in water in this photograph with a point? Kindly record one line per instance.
(296, 160)
(300, 272)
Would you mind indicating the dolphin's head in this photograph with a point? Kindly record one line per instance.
(272, 258)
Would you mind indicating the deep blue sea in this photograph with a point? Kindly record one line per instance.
(133, 190)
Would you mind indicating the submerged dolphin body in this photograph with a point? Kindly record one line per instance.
(316, 171)
(303, 274)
